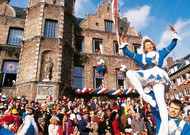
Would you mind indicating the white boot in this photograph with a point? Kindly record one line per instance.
(149, 100)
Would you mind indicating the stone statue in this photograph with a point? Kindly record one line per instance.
(48, 65)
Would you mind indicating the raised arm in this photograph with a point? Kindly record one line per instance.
(135, 56)
(172, 45)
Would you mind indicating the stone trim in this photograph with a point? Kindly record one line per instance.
(36, 59)
(60, 56)
(61, 23)
(41, 19)
(18, 72)
(26, 22)
(38, 42)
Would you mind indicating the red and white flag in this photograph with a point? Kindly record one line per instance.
(114, 18)
(114, 12)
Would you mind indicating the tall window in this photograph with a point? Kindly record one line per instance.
(10, 69)
(178, 81)
(174, 82)
(136, 48)
(181, 93)
(176, 95)
(79, 77)
(50, 29)
(171, 96)
(15, 36)
(108, 26)
(186, 91)
(97, 46)
(79, 44)
(98, 78)
(116, 48)
(188, 75)
(120, 77)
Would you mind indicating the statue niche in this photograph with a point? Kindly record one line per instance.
(48, 66)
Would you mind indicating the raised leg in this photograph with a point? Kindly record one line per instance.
(136, 82)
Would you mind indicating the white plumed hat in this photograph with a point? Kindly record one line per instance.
(142, 42)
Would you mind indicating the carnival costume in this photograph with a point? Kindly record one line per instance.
(177, 127)
(152, 77)
(29, 126)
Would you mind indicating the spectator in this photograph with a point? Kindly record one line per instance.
(93, 126)
(53, 128)
(41, 122)
(114, 123)
(4, 131)
(8, 123)
(186, 108)
(67, 125)
(188, 114)
(17, 120)
(149, 125)
(177, 126)
(73, 128)
(84, 125)
(46, 113)
(138, 125)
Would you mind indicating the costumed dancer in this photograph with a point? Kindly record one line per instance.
(152, 77)
(29, 126)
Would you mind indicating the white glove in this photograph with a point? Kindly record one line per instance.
(176, 36)
(123, 45)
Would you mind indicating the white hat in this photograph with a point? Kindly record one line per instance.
(72, 116)
(142, 42)
(145, 38)
(43, 104)
(54, 117)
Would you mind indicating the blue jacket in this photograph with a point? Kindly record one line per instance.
(162, 54)
(82, 127)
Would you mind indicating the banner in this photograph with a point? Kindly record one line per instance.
(98, 74)
(120, 75)
(10, 67)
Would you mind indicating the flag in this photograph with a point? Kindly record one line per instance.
(114, 18)
(114, 12)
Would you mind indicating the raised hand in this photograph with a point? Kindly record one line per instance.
(172, 28)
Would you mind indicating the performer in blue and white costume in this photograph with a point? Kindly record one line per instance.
(152, 77)
(29, 126)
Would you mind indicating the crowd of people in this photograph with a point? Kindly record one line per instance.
(79, 116)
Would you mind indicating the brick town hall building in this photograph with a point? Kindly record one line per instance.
(46, 50)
